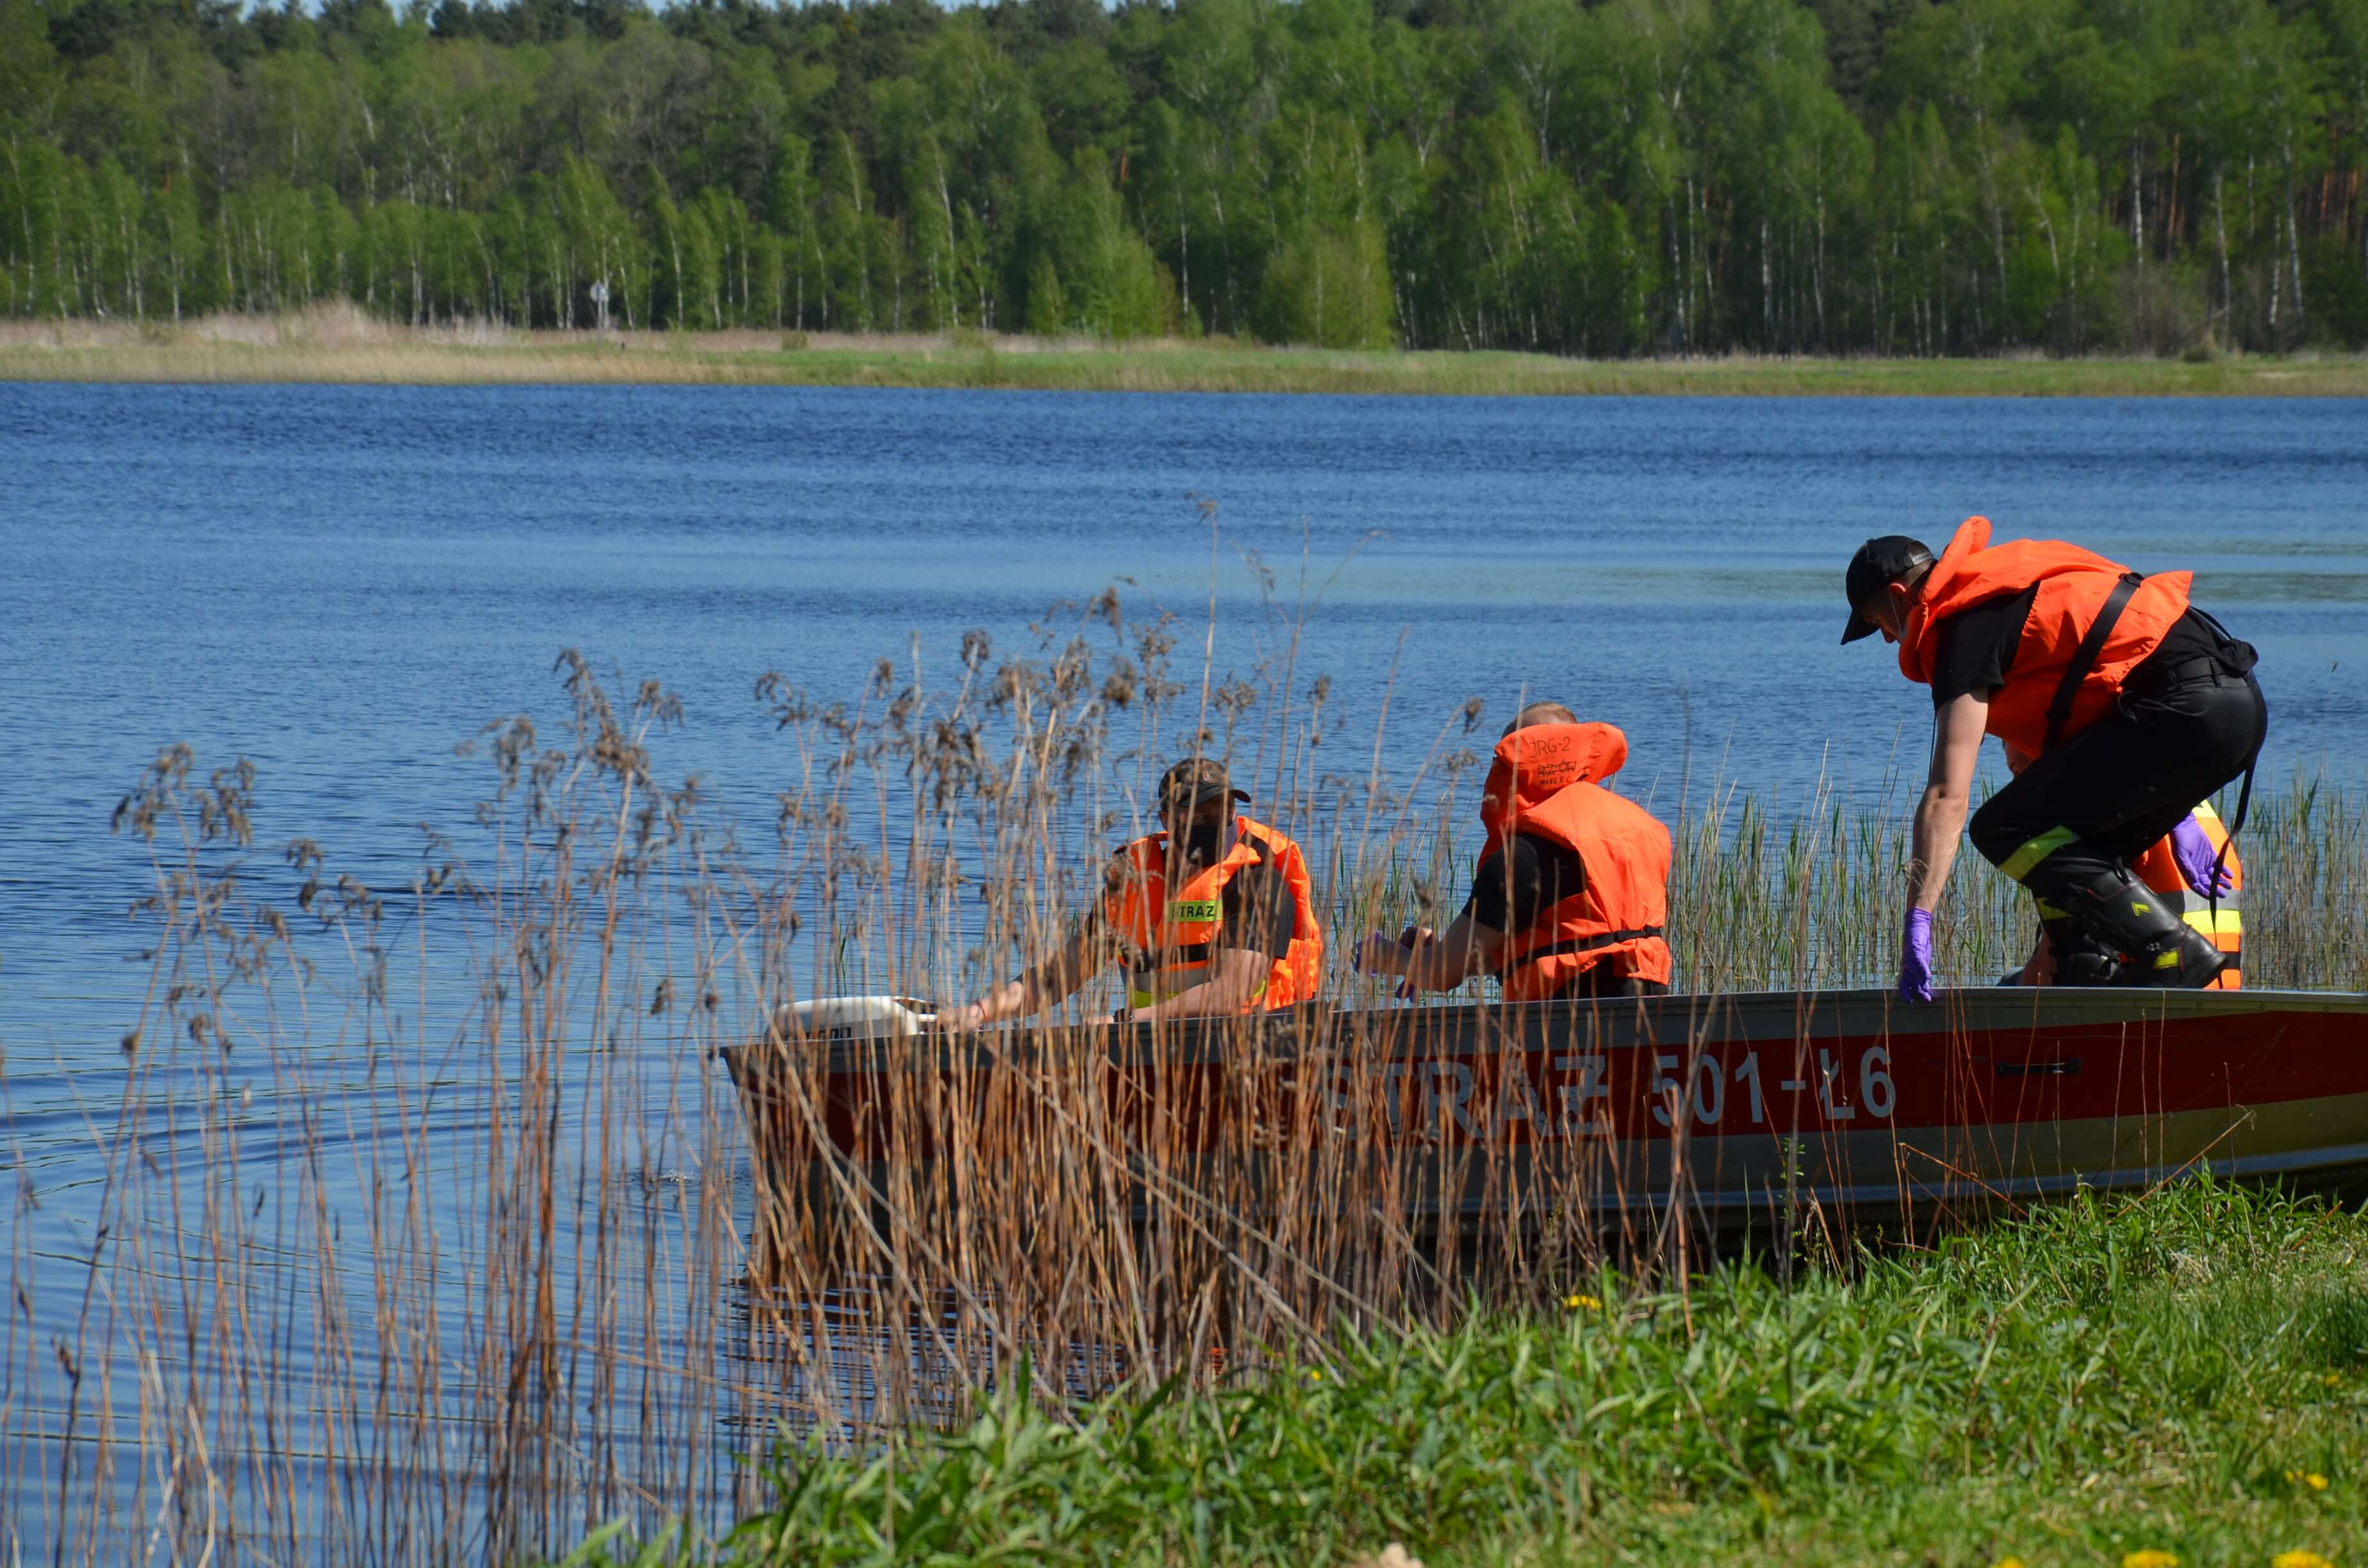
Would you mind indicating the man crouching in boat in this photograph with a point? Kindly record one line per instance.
(2119, 704)
(1211, 917)
(1571, 892)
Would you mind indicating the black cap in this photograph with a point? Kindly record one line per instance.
(1878, 561)
(1196, 779)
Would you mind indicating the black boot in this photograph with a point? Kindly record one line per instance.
(2080, 958)
(2126, 917)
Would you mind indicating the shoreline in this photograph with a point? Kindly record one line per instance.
(343, 347)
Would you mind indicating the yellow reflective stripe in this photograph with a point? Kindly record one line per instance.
(2226, 923)
(2021, 864)
(2166, 960)
(2048, 911)
(1140, 999)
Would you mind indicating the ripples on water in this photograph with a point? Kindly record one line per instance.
(342, 584)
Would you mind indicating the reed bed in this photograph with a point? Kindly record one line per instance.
(409, 1229)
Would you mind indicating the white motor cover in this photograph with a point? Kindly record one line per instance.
(856, 1017)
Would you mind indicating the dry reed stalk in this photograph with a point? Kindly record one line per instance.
(430, 1294)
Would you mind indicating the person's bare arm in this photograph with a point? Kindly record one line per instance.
(1236, 977)
(1438, 960)
(1059, 974)
(1948, 795)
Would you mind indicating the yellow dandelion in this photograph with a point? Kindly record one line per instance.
(2150, 1557)
(2314, 1480)
(1314, 1375)
(2299, 1560)
(2330, 1379)
(1582, 1303)
(2008, 1563)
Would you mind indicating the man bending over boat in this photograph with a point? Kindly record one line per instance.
(1571, 891)
(2119, 703)
(1211, 917)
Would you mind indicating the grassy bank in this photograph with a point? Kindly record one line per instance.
(2184, 1373)
(342, 346)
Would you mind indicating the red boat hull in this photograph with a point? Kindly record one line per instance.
(1730, 1105)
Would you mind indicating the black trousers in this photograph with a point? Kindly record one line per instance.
(2102, 798)
(1599, 981)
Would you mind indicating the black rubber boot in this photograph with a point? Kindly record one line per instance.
(2080, 958)
(2187, 961)
(2128, 917)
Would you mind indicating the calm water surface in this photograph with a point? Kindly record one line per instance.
(341, 583)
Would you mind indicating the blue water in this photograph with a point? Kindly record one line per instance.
(342, 584)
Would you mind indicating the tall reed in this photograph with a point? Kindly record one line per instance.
(411, 1228)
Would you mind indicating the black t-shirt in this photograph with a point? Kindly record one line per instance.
(1255, 912)
(1511, 889)
(1977, 645)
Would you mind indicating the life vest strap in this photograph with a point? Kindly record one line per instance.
(2084, 657)
(1583, 945)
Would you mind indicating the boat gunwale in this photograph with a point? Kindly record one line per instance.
(1480, 1028)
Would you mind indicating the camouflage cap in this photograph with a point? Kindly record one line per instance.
(1195, 780)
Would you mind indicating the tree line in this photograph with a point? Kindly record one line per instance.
(1636, 177)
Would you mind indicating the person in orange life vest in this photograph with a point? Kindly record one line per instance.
(1571, 892)
(2120, 706)
(1210, 917)
(2199, 876)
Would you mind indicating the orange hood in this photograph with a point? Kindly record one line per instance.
(1535, 764)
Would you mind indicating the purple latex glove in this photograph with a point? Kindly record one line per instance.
(2193, 849)
(1382, 955)
(1916, 962)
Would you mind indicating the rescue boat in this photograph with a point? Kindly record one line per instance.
(1725, 1106)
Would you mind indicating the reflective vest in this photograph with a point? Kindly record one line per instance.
(1544, 783)
(1170, 940)
(2073, 587)
(2221, 919)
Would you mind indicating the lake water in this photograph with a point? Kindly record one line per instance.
(340, 583)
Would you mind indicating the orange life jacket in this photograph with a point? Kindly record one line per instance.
(1171, 938)
(2221, 919)
(2073, 587)
(1543, 783)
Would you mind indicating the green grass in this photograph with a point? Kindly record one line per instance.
(2097, 1379)
(353, 350)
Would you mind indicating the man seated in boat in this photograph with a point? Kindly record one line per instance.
(1571, 891)
(2199, 876)
(2119, 703)
(1210, 917)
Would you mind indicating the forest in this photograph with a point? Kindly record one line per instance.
(1891, 177)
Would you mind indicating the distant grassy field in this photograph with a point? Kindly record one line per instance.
(343, 345)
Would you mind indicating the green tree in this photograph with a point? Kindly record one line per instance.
(790, 205)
